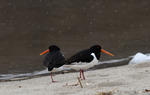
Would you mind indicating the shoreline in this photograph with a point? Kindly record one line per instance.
(34, 75)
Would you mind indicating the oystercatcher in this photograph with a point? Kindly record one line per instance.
(53, 59)
(85, 59)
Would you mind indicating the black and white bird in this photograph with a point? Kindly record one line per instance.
(85, 59)
(53, 59)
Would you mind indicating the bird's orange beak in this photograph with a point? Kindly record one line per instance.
(44, 52)
(106, 52)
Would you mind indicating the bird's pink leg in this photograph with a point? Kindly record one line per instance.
(52, 77)
(83, 74)
(80, 73)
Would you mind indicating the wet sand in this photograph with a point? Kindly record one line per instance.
(122, 80)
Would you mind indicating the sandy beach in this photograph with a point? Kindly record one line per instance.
(130, 79)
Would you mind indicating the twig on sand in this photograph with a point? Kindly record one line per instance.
(80, 82)
(147, 91)
(106, 93)
(75, 84)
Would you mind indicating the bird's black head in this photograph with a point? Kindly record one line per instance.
(53, 48)
(96, 48)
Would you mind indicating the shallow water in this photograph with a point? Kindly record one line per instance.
(29, 27)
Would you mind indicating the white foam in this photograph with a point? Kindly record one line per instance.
(140, 58)
(113, 61)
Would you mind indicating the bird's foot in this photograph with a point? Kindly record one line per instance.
(54, 81)
(82, 79)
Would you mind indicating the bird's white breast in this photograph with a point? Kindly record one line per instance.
(83, 65)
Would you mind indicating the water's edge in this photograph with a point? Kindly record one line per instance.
(100, 65)
(103, 64)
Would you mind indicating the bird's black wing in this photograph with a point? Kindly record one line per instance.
(82, 56)
(56, 59)
(52, 60)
